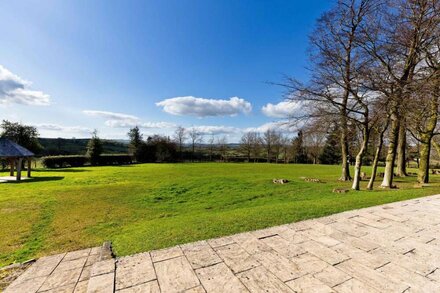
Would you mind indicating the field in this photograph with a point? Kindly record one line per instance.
(143, 207)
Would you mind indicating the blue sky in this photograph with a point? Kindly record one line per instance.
(71, 66)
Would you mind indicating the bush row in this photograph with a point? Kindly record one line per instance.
(79, 161)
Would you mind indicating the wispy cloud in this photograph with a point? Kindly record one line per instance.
(15, 90)
(215, 129)
(112, 116)
(283, 109)
(281, 126)
(61, 130)
(120, 120)
(201, 107)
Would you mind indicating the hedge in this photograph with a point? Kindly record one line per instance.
(105, 160)
(79, 161)
(63, 161)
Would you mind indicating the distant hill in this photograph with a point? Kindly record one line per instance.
(73, 146)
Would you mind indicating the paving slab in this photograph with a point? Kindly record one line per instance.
(389, 248)
(176, 275)
(200, 254)
(134, 270)
(236, 258)
(219, 278)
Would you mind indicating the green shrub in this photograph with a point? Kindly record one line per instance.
(79, 161)
(106, 160)
(63, 161)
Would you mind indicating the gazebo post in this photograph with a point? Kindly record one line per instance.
(16, 155)
(29, 161)
(11, 167)
(19, 163)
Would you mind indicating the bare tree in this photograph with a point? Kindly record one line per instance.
(424, 102)
(222, 143)
(180, 137)
(196, 138)
(256, 146)
(380, 129)
(334, 88)
(246, 144)
(401, 149)
(269, 138)
(277, 145)
(394, 39)
(211, 142)
(285, 146)
(314, 137)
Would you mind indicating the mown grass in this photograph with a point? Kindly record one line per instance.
(143, 207)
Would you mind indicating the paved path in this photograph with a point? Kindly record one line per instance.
(389, 248)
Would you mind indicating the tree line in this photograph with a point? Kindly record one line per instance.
(272, 146)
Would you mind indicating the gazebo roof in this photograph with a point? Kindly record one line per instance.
(9, 149)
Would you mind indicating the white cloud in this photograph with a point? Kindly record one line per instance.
(120, 120)
(157, 125)
(282, 126)
(15, 90)
(283, 109)
(201, 107)
(214, 129)
(56, 130)
(112, 116)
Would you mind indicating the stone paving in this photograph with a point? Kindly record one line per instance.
(389, 248)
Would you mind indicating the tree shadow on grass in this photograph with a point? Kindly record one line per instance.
(61, 170)
(36, 179)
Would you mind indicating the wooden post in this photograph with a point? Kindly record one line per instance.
(11, 167)
(29, 165)
(19, 163)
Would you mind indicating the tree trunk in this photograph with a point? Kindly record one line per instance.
(360, 157)
(401, 151)
(425, 142)
(391, 154)
(436, 146)
(345, 176)
(425, 151)
(376, 159)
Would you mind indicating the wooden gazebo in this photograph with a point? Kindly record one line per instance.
(15, 154)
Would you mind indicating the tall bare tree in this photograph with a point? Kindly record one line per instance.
(256, 146)
(246, 144)
(180, 137)
(211, 142)
(314, 137)
(335, 81)
(222, 144)
(401, 149)
(196, 138)
(394, 39)
(277, 145)
(425, 127)
(269, 139)
(285, 147)
(379, 130)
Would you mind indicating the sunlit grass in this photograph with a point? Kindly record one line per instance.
(143, 207)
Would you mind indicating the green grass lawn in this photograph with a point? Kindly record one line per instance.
(143, 207)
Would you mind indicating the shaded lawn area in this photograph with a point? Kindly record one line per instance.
(150, 206)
